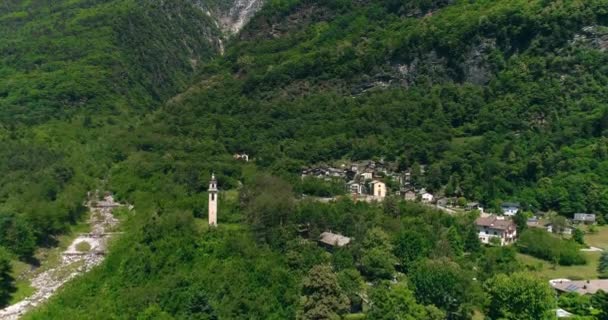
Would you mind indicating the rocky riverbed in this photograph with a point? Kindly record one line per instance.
(84, 253)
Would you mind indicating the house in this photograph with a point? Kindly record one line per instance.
(368, 175)
(378, 189)
(585, 218)
(408, 195)
(243, 157)
(582, 287)
(444, 202)
(427, 197)
(332, 240)
(509, 208)
(499, 227)
(473, 206)
(354, 188)
(548, 226)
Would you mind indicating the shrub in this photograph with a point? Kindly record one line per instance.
(540, 244)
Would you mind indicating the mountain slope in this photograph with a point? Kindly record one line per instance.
(501, 100)
(73, 75)
(474, 90)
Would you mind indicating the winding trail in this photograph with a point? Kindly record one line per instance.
(73, 262)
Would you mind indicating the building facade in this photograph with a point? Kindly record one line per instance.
(501, 228)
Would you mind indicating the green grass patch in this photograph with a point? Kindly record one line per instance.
(599, 238)
(22, 283)
(83, 246)
(548, 271)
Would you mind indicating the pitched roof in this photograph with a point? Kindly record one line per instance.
(495, 222)
(334, 239)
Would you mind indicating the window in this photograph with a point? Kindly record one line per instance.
(213, 197)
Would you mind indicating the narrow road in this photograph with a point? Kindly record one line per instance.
(74, 261)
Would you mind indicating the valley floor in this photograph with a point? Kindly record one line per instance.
(86, 251)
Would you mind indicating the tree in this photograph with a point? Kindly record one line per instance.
(351, 282)
(521, 221)
(378, 264)
(600, 302)
(471, 241)
(323, 296)
(378, 261)
(6, 280)
(603, 265)
(411, 246)
(498, 259)
(398, 303)
(455, 241)
(268, 205)
(17, 235)
(391, 206)
(578, 236)
(519, 297)
(444, 284)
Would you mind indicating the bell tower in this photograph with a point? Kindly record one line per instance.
(213, 201)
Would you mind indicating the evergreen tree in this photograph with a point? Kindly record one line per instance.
(6, 280)
(578, 236)
(603, 264)
(323, 296)
(471, 241)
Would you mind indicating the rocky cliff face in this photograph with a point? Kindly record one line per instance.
(234, 19)
(230, 15)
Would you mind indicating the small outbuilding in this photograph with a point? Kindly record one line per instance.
(333, 240)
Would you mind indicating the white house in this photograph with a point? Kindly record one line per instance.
(379, 189)
(499, 227)
(509, 208)
(586, 218)
(367, 175)
(243, 157)
(354, 188)
(427, 197)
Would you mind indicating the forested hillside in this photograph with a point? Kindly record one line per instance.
(499, 100)
(73, 75)
(502, 100)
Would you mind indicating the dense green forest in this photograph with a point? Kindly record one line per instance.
(500, 100)
(74, 74)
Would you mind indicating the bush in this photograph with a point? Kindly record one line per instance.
(540, 244)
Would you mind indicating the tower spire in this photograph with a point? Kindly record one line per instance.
(213, 201)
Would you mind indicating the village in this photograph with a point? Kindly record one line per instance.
(374, 181)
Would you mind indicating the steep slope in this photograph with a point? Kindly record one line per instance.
(494, 97)
(72, 75)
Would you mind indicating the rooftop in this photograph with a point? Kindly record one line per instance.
(496, 222)
(333, 239)
(581, 287)
(510, 204)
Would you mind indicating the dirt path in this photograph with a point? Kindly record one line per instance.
(84, 253)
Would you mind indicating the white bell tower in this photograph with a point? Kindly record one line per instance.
(213, 201)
